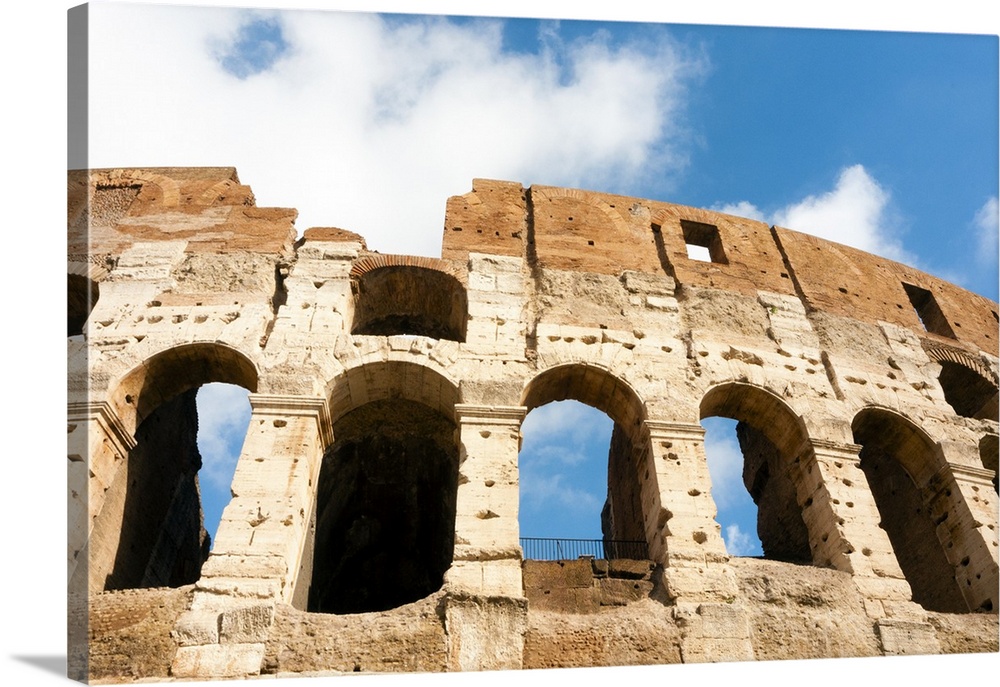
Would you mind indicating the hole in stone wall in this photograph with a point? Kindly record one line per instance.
(581, 465)
(968, 392)
(406, 299)
(928, 310)
(178, 482)
(755, 498)
(748, 446)
(890, 445)
(82, 295)
(703, 242)
(385, 513)
(989, 447)
(150, 527)
(223, 417)
(563, 471)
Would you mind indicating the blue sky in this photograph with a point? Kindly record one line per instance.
(882, 140)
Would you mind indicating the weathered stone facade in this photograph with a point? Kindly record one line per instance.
(374, 518)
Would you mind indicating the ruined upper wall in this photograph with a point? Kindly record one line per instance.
(208, 207)
(568, 229)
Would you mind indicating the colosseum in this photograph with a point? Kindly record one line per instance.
(373, 525)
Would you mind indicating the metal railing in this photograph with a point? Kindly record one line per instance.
(539, 549)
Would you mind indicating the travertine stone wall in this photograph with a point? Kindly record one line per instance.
(856, 380)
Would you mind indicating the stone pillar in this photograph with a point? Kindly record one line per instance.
(685, 539)
(963, 504)
(679, 512)
(485, 611)
(260, 542)
(97, 447)
(844, 522)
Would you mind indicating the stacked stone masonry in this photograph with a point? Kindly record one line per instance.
(373, 524)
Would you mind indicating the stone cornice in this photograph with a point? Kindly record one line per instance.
(660, 429)
(489, 415)
(298, 406)
(104, 414)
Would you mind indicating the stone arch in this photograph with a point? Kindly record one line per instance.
(969, 386)
(408, 295)
(622, 518)
(903, 466)
(182, 368)
(149, 531)
(384, 523)
(773, 439)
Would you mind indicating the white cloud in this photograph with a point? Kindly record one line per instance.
(370, 124)
(987, 227)
(725, 461)
(223, 416)
(551, 493)
(566, 422)
(738, 542)
(855, 213)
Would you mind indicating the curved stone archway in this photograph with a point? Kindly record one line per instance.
(147, 524)
(901, 462)
(384, 524)
(772, 438)
(622, 518)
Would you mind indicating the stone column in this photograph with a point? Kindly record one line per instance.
(679, 512)
(260, 542)
(843, 521)
(685, 539)
(963, 504)
(97, 447)
(485, 612)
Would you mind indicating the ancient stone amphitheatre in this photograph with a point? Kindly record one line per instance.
(373, 524)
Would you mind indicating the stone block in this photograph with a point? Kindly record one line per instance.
(198, 627)
(906, 637)
(629, 569)
(217, 661)
(246, 625)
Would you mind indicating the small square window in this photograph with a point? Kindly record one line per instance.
(703, 242)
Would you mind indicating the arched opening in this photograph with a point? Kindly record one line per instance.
(579, 466)
(408, 299)
(989, 447)
(899, 460)
(384, 524)
(150, 531)
(81, 297)
(967, 391)
(769, 437)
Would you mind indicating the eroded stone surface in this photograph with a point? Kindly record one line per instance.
(866, 392)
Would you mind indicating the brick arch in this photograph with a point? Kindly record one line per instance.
(165, 374)
(969, 386)
(402, 294)
(595, 201)
(169, 189)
